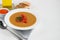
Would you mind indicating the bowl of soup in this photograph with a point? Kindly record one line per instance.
(21, 19)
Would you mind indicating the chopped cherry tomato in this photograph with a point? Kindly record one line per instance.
(24, 18)
(22, 15)
(24, 21)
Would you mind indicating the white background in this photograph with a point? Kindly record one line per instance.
(49, 24)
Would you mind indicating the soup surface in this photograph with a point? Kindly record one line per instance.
(22, 19)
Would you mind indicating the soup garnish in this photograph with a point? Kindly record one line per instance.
(21, 18)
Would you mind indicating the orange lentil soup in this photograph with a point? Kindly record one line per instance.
(22, 19)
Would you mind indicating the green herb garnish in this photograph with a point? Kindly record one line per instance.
(19, 19)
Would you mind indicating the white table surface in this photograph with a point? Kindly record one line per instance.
(48, 27)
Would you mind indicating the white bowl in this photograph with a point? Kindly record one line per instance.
(20, 10)
(2, 15)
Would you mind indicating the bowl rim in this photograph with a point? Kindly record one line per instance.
(6, 19)
(4, 8)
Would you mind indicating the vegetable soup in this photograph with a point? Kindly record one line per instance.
(22, 19)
